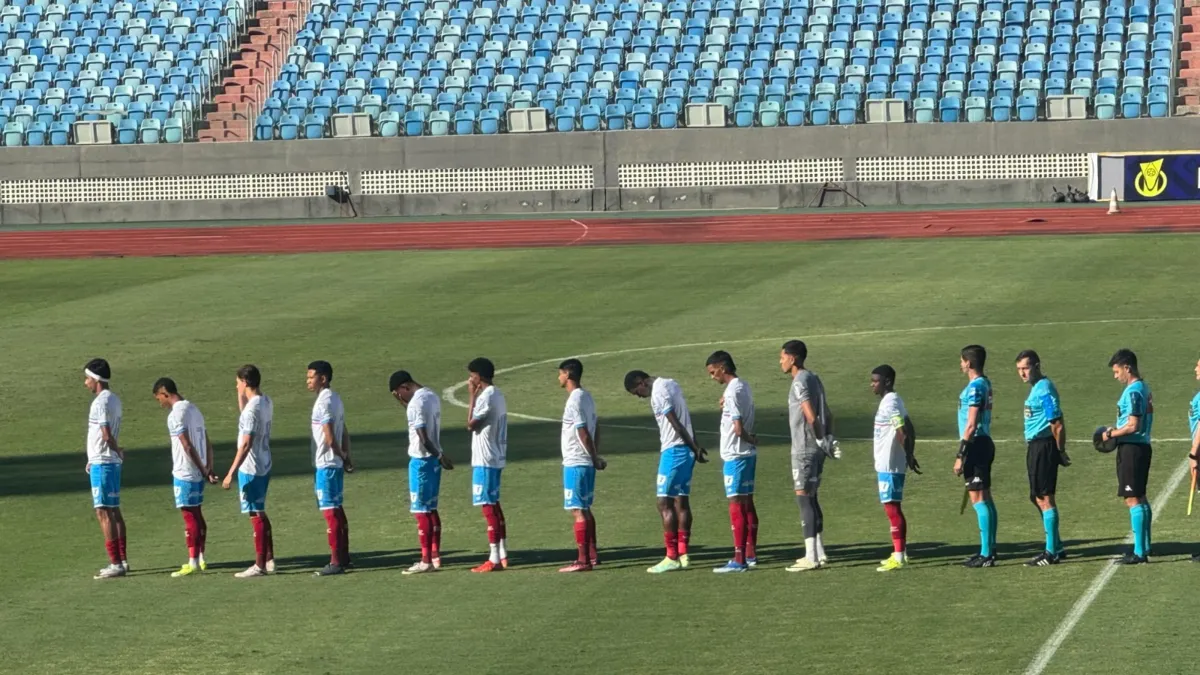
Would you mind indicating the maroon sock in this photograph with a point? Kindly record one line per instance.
(424, 534)
(501, 523)
(737, 520)
(190, 532)
(581, 541)
(333, 535)
(493, 524)
(343, 535)
(672, 541)
(269, 545)
(593, 550)
(436, 541)
(260, 540)
(121, 546)
(201, 529)
(110, 545)
(751, 530)
(899, 525)
(684, 535)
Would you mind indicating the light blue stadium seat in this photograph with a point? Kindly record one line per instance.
(950, 109)
(289, 127)
(1131, 105)
(314, 125)
(1027, 108)
(414, 123)
(820, 112)
(590, 118)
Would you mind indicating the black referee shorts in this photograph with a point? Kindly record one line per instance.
(1133, 469)
(1041, 459)
(977, 463)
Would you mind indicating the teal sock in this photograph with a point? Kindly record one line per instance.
(994, 522)
(1137, 518)
(1050, 523)
(984, 514)
(1146, 527)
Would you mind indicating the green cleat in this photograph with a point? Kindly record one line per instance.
(667, 565)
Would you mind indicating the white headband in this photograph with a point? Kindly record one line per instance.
(94, 376)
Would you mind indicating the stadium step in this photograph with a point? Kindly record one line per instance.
(269, 34)
(1187, 92)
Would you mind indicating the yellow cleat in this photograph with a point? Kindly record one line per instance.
(667, 565)
(184, 571)
(891, 564)
(684, 561)
(203, 565)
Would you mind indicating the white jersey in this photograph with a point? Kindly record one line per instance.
(580, 413)
(185, 418)
(665, 397)
(105, 412)
(424, 412)
(489, 444)
(327, 409)
(739, 405)
(889, 452)
(255, 422)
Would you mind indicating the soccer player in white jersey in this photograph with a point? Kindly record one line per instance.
(331, 459)
(104, 460)
(425, 464)
(191, 467)
(487, 420)
(252, 466)
(580, 443)
(739, 452)
(679, 454)
(894, 440)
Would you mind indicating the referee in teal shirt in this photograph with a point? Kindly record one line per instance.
(1046, 437)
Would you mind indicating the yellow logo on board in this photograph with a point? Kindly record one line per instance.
(1150, 180)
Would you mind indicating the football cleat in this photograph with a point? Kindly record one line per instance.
(110, 572)
(186, 570)
(487, 566)
(576, 567)
(981, 561)
(1043, 559)
(891, 564)
(804, 565)
(203, 564)
(1131, 559)
(684, 561)
(329, 570)
(504, 563)
(437, 563)
(665, 565)
(751, 562)
(270, 566)
(419, 568)
(251, 571)
(731, 567)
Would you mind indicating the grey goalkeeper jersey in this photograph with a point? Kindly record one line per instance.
(806, 386)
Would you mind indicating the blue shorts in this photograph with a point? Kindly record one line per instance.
(579, 487)
(891, 487)
(739, 476)
(675, 472)
(106, 486)
(328, 483)
(253, 491)
(188, 494)
(424, 483)
(485, 485)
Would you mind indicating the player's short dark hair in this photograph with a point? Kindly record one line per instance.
(165, 384)
(722, 358)
(99, 367)
(635, 377)
(1034, 359)
(250, 375)
(322, 368)
(573, 368)
(796, 349)
(1123, 357)
(399, 379)
(482, 367)
(975, 356)
(885, 373)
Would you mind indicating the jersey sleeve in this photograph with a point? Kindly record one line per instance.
(248, 420)
(976, 395)
(660, 401)
(175, 425)
(417, 415)
(894, 412)
(1050, 406)
(732, 405)
(1137, 404)
(573, 414)
(483, 406)
(100, 413)
(800, 390)
(322, 411)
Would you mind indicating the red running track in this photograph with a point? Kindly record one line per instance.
(510, 233)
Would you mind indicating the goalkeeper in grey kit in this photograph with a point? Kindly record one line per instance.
(811, 424)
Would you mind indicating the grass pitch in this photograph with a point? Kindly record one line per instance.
(912, 304)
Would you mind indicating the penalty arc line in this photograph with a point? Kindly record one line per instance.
(1056, 639)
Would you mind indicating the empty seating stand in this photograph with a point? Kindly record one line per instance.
(439, 67)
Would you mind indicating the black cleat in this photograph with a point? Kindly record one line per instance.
(1131, 559)
(980, 561)
(1043, 559)
(329, 570)
(1196, 557)
(1063, 459)
(969, 562)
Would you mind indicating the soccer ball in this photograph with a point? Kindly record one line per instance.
(601, 463)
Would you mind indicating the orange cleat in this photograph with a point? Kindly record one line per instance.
(577, 567)
(488, 566)
(504, 563)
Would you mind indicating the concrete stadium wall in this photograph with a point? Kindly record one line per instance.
(605, 152)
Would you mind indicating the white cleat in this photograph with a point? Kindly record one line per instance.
(125, 566)
(418, 568)
(251, 571)
(110, 572)
(271, 566)
(437, 563)
(804, 565)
